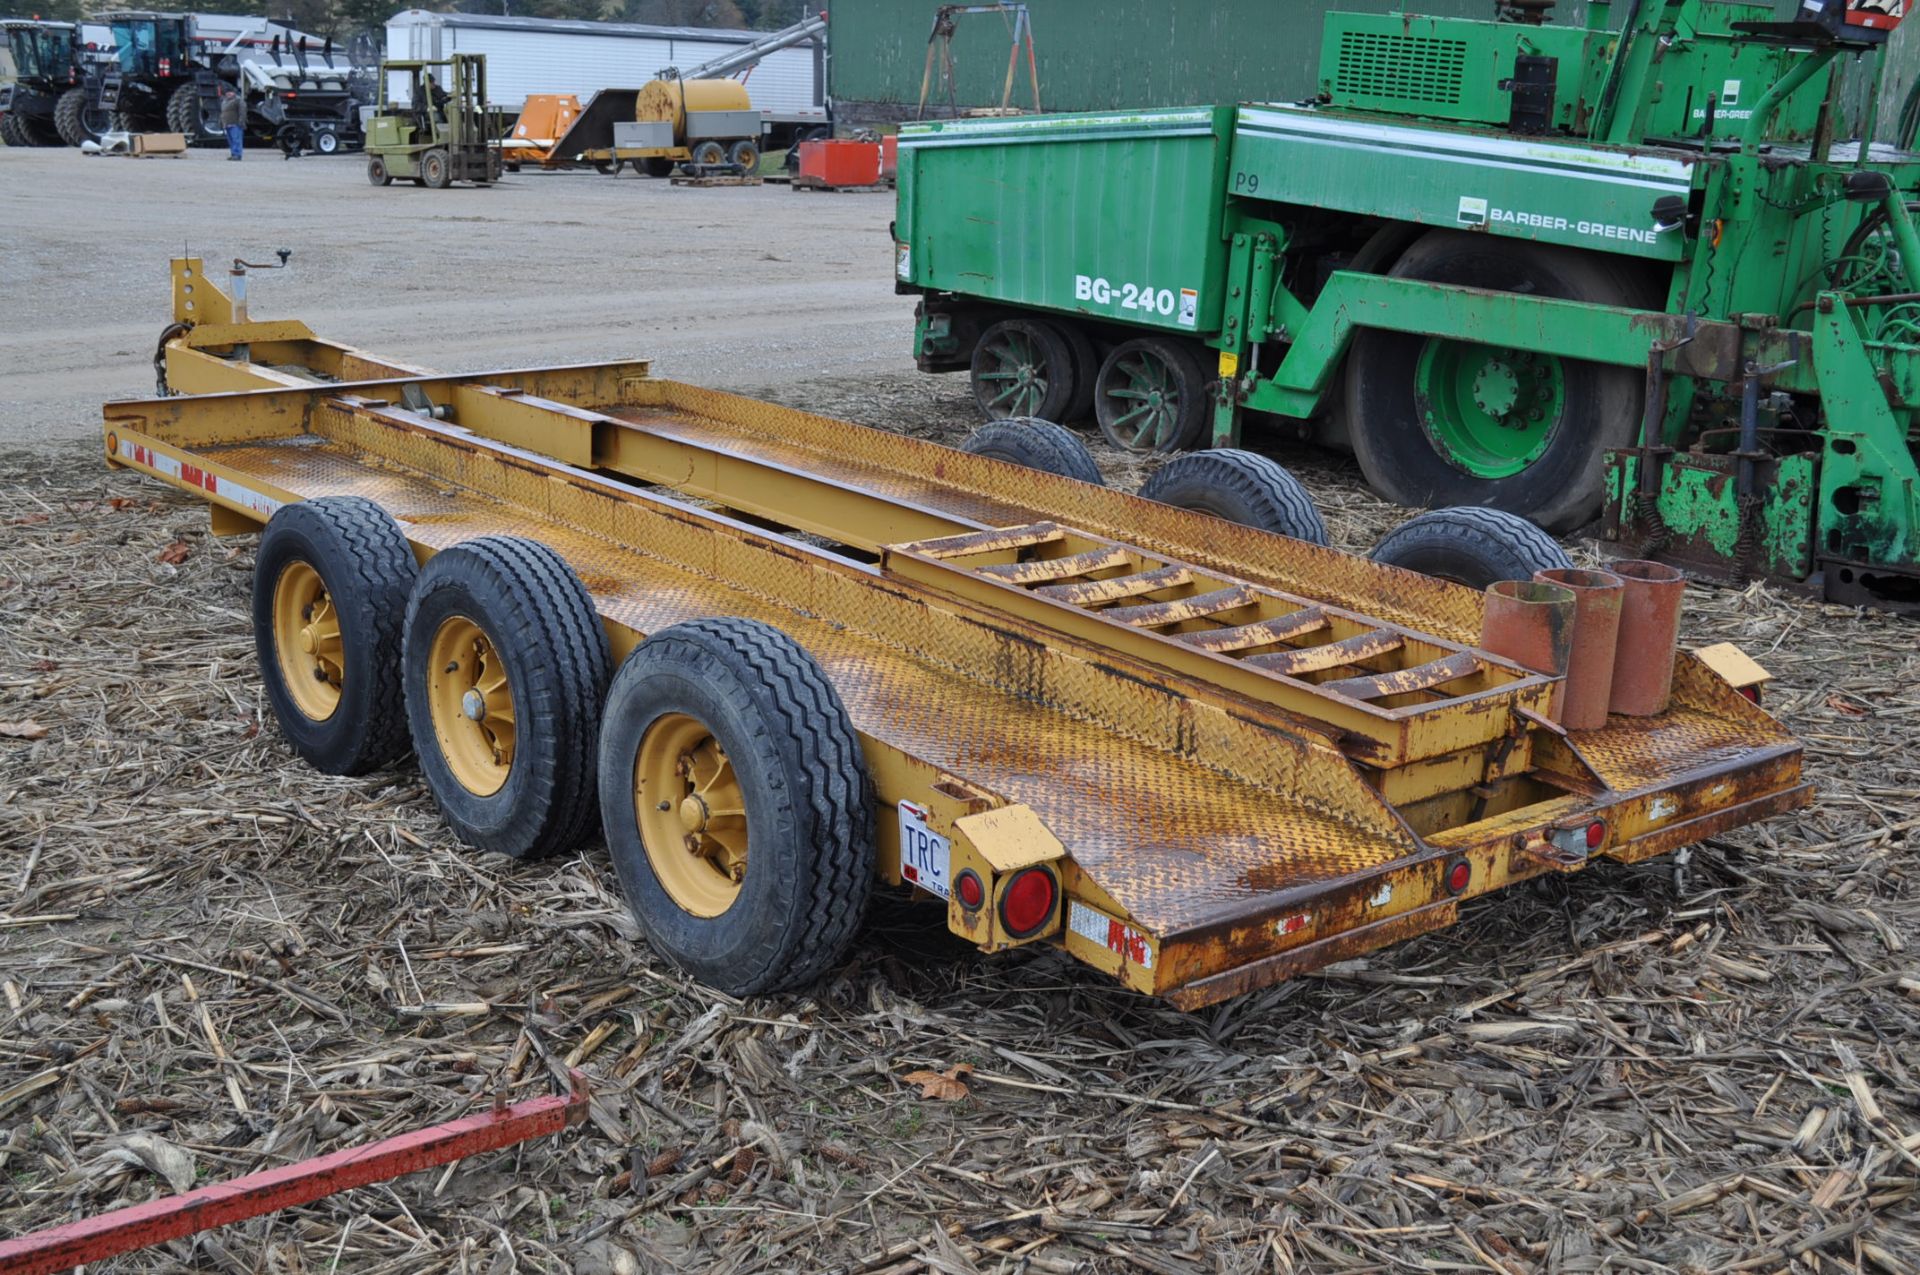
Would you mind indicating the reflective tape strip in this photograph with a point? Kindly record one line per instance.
(190, 475)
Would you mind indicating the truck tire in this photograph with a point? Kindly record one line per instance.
(1023, 368)
(1240, 487)
(436, 169)
(736, 805)
(1471, 546)
(1151, 395)
(505, 668)
(1036, 444)
(377, 173)
(75, 122)
(330, 587)
(1439, 422)
(746, 155)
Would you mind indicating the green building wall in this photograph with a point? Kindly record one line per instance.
(1096, 55)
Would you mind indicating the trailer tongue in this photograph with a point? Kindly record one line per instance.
(1200, 757)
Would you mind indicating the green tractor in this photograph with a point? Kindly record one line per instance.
(1629, 271)
(435, 134)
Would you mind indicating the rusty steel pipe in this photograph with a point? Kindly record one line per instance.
(1650, 598)
(1531, 624)
(1596, 632)
(94, 1239)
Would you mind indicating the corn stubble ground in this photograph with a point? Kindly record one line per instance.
(214, 961)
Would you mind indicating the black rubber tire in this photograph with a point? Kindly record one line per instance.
(1191, 406)
(1471, 545)
(436, 169)
(607, 167)
(10, 129)
(1085, 358)
(377, 173)
(1052, 372)
(1240, 487)
(70, 118)
(326, 141)
(187, 114)
(39, 130)
(1036, 444)
(708, 154)
(543, 625)
(1601, 405)
(746, 155)
(656, 167)
(810, 821)
(368, 568)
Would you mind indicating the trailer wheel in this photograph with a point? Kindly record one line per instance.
(657, 167)
(745, 154)
(607, 167)
(1036, 444)
(326, 141)
(377, 171)
(1241, 487)
(736, 805)
(1439, 422)
(330, 587)
(436, 169)
(1471, 546)
(1023, 368)
(505, 669)
(709, 154)
(1151, 396)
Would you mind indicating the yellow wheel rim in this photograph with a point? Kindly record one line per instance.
(693, 817)
(471, 704)
(306, 641)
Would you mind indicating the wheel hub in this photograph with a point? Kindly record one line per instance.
(1496, 389)
(474, 705)
(693, 814)
(471, 705)
(307, 641)
(691, 809)
(1488, 412)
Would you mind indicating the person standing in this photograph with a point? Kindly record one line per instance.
(233, 115)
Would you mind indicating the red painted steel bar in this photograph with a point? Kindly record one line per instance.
(93, 1239)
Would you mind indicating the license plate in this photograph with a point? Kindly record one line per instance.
(925, 855)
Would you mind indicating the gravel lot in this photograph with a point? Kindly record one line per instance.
(213, 960)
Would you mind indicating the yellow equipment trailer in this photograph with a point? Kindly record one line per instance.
(1200, 757)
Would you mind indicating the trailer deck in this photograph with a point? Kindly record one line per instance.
(1244, 756)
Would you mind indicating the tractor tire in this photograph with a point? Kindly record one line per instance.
(1472, 546)
(501, 631)
(330, 587)
(75, 122)
(1036, 444)
(746, 155)
(10, 129)
(377, 173)
(187, 114)
(40, 131)
(735, 710)
(1240, 487)
(1022, 368)
(1151, 395)
(1438, 422)
(436, 169)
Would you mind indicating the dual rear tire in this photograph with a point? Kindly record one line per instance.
(722, 766)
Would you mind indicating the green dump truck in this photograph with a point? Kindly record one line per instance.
(1620, 271)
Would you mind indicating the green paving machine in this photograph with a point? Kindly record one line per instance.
(1628, 271)
(435, 134)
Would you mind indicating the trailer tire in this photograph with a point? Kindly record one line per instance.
(1151, 395)
(1240, 487)
(436, 169)
(746, 155)
(1438, 422)
(326, 141)
(1472, 546)
(656, 167)
(1036, 444)
(708, 155)
(608, 167)
(344, 556)
(1022, 368)
(377, 173)
(748, 704)
(503, 623)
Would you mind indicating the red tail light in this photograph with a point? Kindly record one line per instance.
(1459, 876)
(1596, 833)
(1027, 903)
(1751, 692)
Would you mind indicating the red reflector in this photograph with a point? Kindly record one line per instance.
(1751, 692)
(970, 890)
(1596, 833)
(1027, 902)
(1459, 876)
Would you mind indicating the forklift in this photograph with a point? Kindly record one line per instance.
(440, 133)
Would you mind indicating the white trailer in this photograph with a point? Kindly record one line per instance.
(551, 55)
